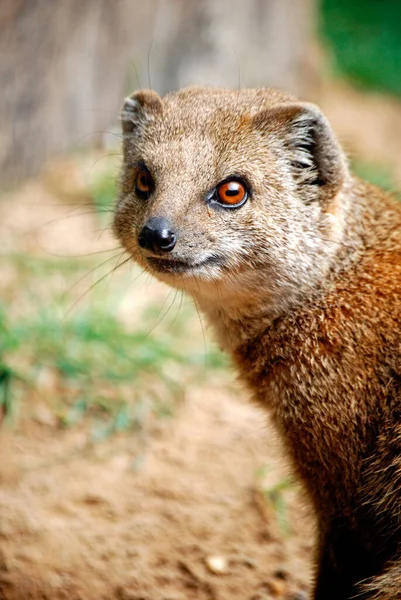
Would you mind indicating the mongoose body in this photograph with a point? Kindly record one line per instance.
(244, 200)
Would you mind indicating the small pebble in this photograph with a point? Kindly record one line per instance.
(217, 564)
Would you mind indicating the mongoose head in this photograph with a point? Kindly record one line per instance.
(230, 195)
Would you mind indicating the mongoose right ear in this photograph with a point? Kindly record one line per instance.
(315, 157)
(140, 108)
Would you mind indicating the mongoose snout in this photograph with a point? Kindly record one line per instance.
(296, 264)
(157, 235)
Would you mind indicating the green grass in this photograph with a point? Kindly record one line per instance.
(275, 496)
(365, 39)
(378, 173)
(117, 377)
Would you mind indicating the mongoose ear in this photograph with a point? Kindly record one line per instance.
(315, 157)
(139, 108)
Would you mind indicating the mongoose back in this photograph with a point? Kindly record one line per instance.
(244, 200)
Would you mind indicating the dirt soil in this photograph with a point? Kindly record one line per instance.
(189, 520)
(189, 523)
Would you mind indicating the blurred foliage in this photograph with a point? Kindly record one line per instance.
(88, 363)
(378, 173)
(103, 190)
(274, 494)
(365, 36)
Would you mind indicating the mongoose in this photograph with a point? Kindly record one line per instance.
(244, 200)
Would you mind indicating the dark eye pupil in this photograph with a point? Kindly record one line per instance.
(231, 193)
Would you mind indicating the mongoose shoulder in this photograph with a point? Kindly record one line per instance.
(244, 200)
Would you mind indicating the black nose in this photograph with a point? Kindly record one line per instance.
(157, 236)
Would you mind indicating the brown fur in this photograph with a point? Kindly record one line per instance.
(302, 286)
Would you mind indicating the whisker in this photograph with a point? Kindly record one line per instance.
(171, 305)
(102, 230)
(161, 313)
(179, 308)
(107, 227)
(117, 266)
(140, 274)
(136, 75)
(118, 256)
(149, 51)
(81, 205)
(93, 285)
(102, 131)
(97, 161)
(71, 216)
(323, 239)
(78, 255)
(199, 312)
(102, 110)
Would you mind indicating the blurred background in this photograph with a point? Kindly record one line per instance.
(66, 65)
(107, 376)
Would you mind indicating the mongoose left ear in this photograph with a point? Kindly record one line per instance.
(139, 108)
(315, 157)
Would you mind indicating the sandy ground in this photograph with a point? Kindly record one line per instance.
(189, 522)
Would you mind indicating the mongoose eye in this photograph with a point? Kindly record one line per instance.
(232, 193)
(144, 184)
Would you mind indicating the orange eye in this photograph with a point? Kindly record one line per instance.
(144, 183)
(231, 193)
